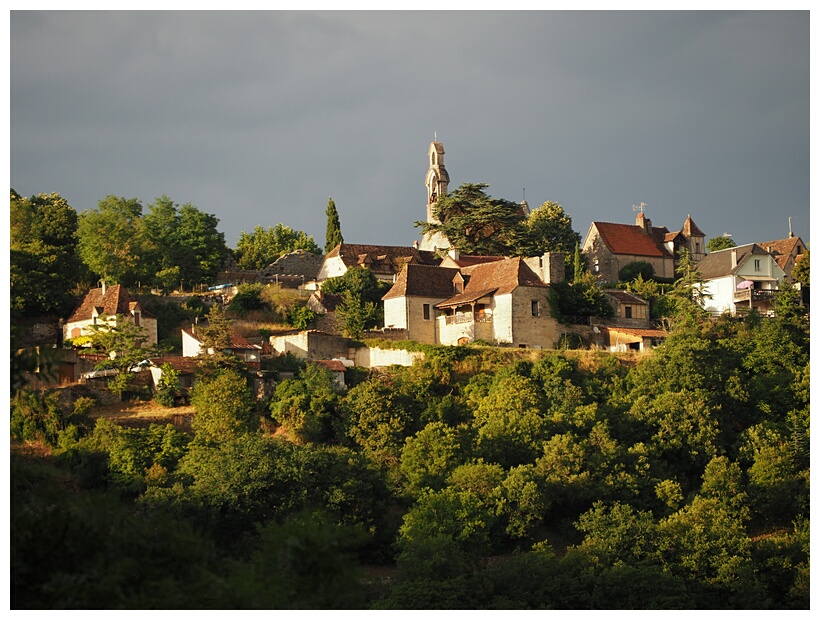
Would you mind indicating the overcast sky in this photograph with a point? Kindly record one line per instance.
(259, 117)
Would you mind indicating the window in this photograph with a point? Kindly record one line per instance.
(757, 264)
(536, 308)
(426, 309)
(595, 267)
(697, 248)
(137, 319)
(627, 312)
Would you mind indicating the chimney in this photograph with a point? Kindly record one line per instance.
(416, 243)
(644, 222)
(102, 283)
(453, 252)
(734, 258)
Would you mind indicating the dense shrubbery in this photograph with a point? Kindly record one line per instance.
(484, 477)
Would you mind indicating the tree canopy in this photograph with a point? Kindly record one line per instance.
(333, 234)
(169, 246)
(476, 223)
(45, 267)
(720, 243)
(550, 230)
(258, 249)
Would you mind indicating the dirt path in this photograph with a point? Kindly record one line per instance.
(141, 413)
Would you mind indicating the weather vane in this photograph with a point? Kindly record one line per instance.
(639, 207)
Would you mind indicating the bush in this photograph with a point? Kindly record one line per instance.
(638, 268)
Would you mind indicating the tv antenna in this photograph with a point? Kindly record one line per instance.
(640, 207)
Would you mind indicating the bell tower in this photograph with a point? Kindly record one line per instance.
(436, 182)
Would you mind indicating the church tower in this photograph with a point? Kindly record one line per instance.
(436, 182)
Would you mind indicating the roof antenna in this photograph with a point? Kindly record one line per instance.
(435, 136)
(524, 192)
(640, 207)
(791, 234)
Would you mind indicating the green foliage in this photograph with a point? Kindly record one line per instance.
(379, 420)
(632, 270)
(333, 233)
(307, 562)
(306, 406)
(126, 347)
(802, 270)
(225, 407)
(582, 297)
(169, 246)
(301, 317)
(247, 299)
(168, 386)
(429, 456)
(476, 223)
(258, 249)
(550, 230)
(37, 417)
(720, 243)
(361, 306)
(44, 265)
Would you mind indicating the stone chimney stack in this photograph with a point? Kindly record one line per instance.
(734, 258)
(102, 285)
(644, 222)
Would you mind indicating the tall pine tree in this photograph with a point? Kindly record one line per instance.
(333, 236)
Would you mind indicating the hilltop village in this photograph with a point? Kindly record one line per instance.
(505, 415)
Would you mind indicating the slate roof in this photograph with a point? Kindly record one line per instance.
(719, 264)
(690, 229)
(423, 281)
(299, 263)
(631, 240)
(381, 258)
(625, 297)
(496, 278)
(782, 249)
(116, 300)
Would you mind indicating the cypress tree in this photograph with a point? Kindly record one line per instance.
(333, 236)
(578, 266)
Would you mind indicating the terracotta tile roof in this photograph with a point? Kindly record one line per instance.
(299, 263)
(238, 341)
(116, 300)
(423, 281)
(630, 239)
(469, 261)
(782, 249)
(625, 297)
(183, 365)
(381, 258)
(467, 297)
(332, 365)
(719, 264)
(644, 333)
(496, 278)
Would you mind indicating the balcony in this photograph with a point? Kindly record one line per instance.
(754, 295)
(454, 319)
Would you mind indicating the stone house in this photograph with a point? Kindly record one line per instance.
(630, 310)
(192, 346)
(385, 261)
(292, 270)
(744, 277)
(786, 252)
(101, 305)
(502, 301)
(609, 247)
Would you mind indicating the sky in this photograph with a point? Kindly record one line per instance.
(259, 117)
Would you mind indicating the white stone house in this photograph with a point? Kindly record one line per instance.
(742, 278)
(101, 305)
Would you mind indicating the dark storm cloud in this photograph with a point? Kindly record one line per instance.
(259, 117)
